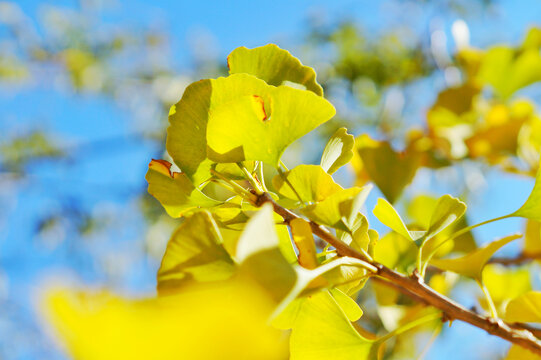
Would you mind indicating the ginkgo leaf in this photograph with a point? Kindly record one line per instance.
(101, 326)
(274, 65)
(321, 330)
(525, 308)
(187, 133)
(174, 190)
(508, 71)
(194, 253)
(448, 210)
(338, 151)
(311, 183)
(532, 238)
(472, 264)
(517, 352)
(504, 284)
(532, 207)
(304, 240)
(395, 251)
(261, 125)
(390, 170)
(333, 209)
(387, 214)
(260, 257)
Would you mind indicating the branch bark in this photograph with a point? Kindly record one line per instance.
(415, 287)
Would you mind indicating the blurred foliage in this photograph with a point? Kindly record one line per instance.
(483, 115)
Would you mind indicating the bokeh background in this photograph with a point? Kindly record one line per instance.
(85, 87)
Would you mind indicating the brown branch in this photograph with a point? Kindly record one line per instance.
(521, 259)
(416, 288)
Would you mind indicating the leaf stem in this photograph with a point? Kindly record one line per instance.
(255, 184)
(261, 176)
(283, 165)
(235, 187)
(492, 307)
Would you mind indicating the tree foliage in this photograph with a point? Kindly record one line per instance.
(232, 262)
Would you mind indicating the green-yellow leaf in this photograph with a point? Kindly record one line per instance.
(321, 330)
(333, 210)
(260, 257)
(274, 65)
(194, 253)
(525, 308)
(390, 170)
(532, 207)
(387, 214)
(174, 190)
(338, 151)
(472, 264)
(187, 133)
(260, 126)
(311, 183)
(448, 210)
(504, 284)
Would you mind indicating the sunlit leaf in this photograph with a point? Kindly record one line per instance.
(532, 207)
(260, 257)
(517, 352)
(274, 65)
(333, 210)
(321, 330)
(391, 171)
(395, 251)
(338, 151)
(525, 308)
(310, 182)
(174, 190)
(101, 326)
(304, 240)
(504, 284)
(472, 264)
(194, 253)
(532, 238)
(387, 214)
(448, 210)
(260, 126)
(508, 71)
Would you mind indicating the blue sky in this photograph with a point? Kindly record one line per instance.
(25, 261)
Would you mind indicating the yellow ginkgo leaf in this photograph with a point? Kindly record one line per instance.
(101, 326)
(274, 65)
(525, 308)
(472, 264)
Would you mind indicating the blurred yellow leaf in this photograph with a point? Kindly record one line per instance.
(391, 171)
(525, 308)
(338, 151)
(220, 320)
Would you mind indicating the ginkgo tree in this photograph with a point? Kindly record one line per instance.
(273, 263)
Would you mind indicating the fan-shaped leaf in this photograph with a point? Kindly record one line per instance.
(532, 207)
(274, 65)
(310, 182)
(174, 190)
(525, 308)
(472, 264)
(260, 126)
(338, 151)
(194, 253)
